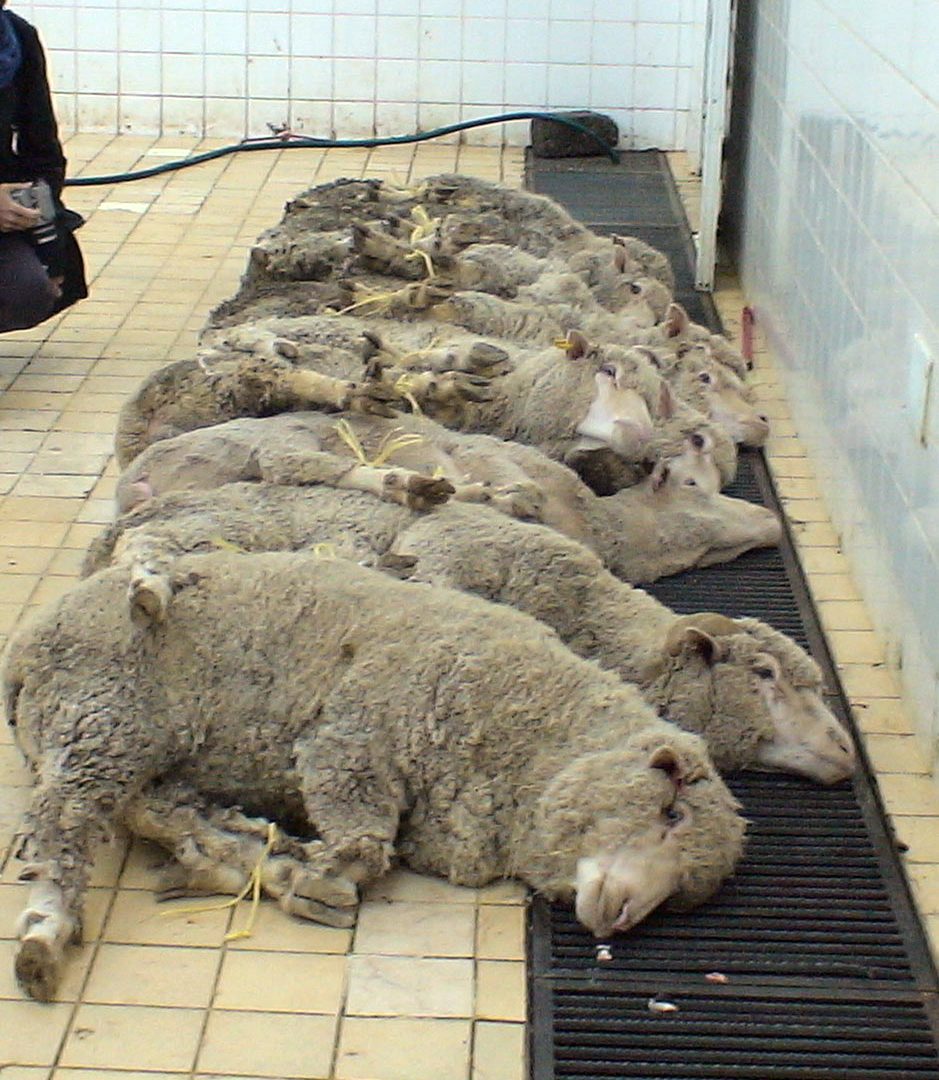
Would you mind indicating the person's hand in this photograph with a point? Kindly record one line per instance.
(57, 286)
(13, 217)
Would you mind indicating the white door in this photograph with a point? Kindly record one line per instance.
(718, 58)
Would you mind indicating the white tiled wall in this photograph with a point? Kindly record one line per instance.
(354, 68)
(841, 252)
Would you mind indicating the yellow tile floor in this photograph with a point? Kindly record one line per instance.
(431, 983)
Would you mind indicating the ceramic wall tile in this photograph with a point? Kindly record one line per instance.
(497, 54)
(841, 255)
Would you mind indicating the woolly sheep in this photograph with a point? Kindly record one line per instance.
(383, 719)
(603, 397)
(714, 389)
(254, 374)
(666, 523)
(531, 568)
(586, 281)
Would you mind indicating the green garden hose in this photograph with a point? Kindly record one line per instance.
(290, 142)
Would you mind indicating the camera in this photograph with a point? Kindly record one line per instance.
(45, 235)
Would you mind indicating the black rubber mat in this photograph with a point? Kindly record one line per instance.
(828, 975)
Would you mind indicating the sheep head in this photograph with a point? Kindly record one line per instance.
(621, 831)
(754, 695)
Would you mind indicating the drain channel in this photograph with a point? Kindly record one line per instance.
(828, 975)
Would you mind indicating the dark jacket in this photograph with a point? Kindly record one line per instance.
(30, 148)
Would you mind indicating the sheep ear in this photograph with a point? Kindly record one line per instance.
(665, 406)
(620, 258)
(660, 475)
(676, 320)
(693, 639)
(650, 355)
(666, 759)
(577, 345)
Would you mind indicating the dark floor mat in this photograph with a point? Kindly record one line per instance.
(828, 973)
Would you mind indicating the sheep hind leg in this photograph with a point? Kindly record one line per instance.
(63, 820)
(44, 929)
(219, 850)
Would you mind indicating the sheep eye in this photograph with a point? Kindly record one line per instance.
(691, 482)
(704, 377)
(697, 441)
(609, 370)
(634, 288)
(764, 672)
(683, 350)
(673, 815)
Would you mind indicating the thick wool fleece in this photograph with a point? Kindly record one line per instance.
(640, 534)
(477, 550)
(304, 688)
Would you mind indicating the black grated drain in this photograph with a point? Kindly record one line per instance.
(828, 972)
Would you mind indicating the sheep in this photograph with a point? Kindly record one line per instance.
(451, 211)
(603, 397)
(670, 521)
(254, 374)
(586, 281)
(713, 388)
(555, 578)
(382, 719)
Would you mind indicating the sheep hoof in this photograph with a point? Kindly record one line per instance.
(314, 911)
(372, 398)
(522, 500)
(488, 360)
(334, 892)
(457, 386)
(423, 492)
(38, 963)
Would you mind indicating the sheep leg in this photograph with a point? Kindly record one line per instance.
(67, 811)
(402, 486)
(218, 850)
(524, 499)
(303, 388)
(385, 254)
(352, 793)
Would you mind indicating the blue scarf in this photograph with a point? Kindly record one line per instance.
(11, 55)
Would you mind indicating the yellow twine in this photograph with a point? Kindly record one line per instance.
(252, 885)
(374, 298)
(404, 386)
(424, 224)
(325, 551)
(562, 343)
(349, 437)
(227, 545)
(389, 445)
(428, 262)
(392, 443)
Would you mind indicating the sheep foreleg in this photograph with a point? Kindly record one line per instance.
(219, 850)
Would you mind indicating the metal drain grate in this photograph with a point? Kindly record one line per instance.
(829, 977)
(777, 1037)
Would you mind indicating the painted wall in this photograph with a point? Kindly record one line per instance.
(360, 67)
(841, 253)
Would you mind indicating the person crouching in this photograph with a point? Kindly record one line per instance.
(41, 266)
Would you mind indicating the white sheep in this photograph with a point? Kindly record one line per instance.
(382, 718)
(753, 695)
(668, 522)
(574, 404)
